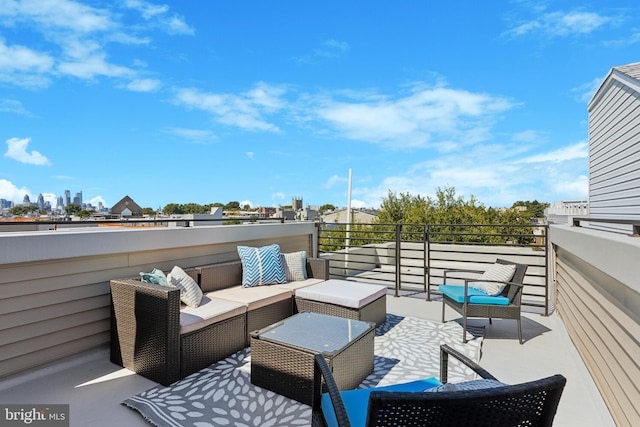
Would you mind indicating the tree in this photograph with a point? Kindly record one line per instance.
(72, 208)
(83, 213)
(22, 210)
(148, 211)
(172, 208)
(232, 206)
(535, 208)
(327, 207)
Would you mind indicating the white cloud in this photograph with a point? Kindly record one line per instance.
(96, 200)
(23, 66)
(335, 180)
(144, 85)
(279, 195)
(245, 110)
(562, 24)
(246, 202)
(585, 91)
(250, 154)
(10, 191)
(437, 117)
(13, 106)
(528, 136)
(75, 39)
(198, 136)
(158, 14)
(495, 175)
(330, 49)
(18, 151)
(576, 151)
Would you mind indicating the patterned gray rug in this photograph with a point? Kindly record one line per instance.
(405, 349)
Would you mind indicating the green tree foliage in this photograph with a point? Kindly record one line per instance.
(22, 210)
(148, 211)
(83, 213)
(72, 208)
(232, 206)
(452, 218)
(172, 208)
(327, 207)
(535, 208)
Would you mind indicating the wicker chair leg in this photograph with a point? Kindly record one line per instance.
(520, 330)
(464, 329)
(443, 304)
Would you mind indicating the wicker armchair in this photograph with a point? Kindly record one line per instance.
(532, 404)
(467, 308)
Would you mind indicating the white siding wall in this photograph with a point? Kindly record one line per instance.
(614, 152)
(54, 285)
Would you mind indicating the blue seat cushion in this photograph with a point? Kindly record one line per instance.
(357, 401)
(476, 296)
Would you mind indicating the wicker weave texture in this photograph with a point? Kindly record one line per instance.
(288, 370)
(145, 332)
(531, 404)
(375, 311)
(201, 348)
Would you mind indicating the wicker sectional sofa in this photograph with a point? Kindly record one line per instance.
(156, 337)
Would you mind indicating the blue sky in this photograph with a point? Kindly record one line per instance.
(258, 102)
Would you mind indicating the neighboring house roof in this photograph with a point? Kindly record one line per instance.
(126, 207)
(629, 75)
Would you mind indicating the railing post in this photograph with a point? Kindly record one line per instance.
(427, 254)
(398, 254)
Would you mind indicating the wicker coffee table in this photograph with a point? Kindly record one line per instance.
(282, 354)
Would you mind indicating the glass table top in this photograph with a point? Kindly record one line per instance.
(319, 333)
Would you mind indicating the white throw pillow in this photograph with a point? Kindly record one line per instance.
(190, 292)
(497, 272)
(295, 265)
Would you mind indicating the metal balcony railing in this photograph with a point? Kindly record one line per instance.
(413, 257)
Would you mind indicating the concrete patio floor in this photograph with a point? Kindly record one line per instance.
(94, 387)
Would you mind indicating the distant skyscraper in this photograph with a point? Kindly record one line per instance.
(26, 201)
(60, 203)
(67, 197)
(78, 198)
(40, 201)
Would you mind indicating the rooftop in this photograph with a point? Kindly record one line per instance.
(70, 363)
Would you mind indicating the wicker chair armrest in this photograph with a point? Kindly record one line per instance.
(457, 270)
(322, 372)
(446, 351)
(318, 268)
(467, 281)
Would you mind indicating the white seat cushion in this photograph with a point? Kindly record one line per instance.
(253, 297)
(343, 292)
(210, 310)
(298, 284)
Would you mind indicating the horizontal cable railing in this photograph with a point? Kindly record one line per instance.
(413, 257)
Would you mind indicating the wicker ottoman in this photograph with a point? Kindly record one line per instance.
(282, 354)
(343, 298)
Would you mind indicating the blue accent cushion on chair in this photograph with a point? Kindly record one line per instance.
(456, 293)
(356, 401)
(261, 266)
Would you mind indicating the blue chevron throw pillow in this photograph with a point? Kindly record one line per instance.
(261, 266)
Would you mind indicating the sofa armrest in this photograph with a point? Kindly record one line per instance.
(145, 329)
(318, 268)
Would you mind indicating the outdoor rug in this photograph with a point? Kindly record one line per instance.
(405, 349)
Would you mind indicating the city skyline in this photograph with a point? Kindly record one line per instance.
(255, 102)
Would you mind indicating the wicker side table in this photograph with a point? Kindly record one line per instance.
(282, 354)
